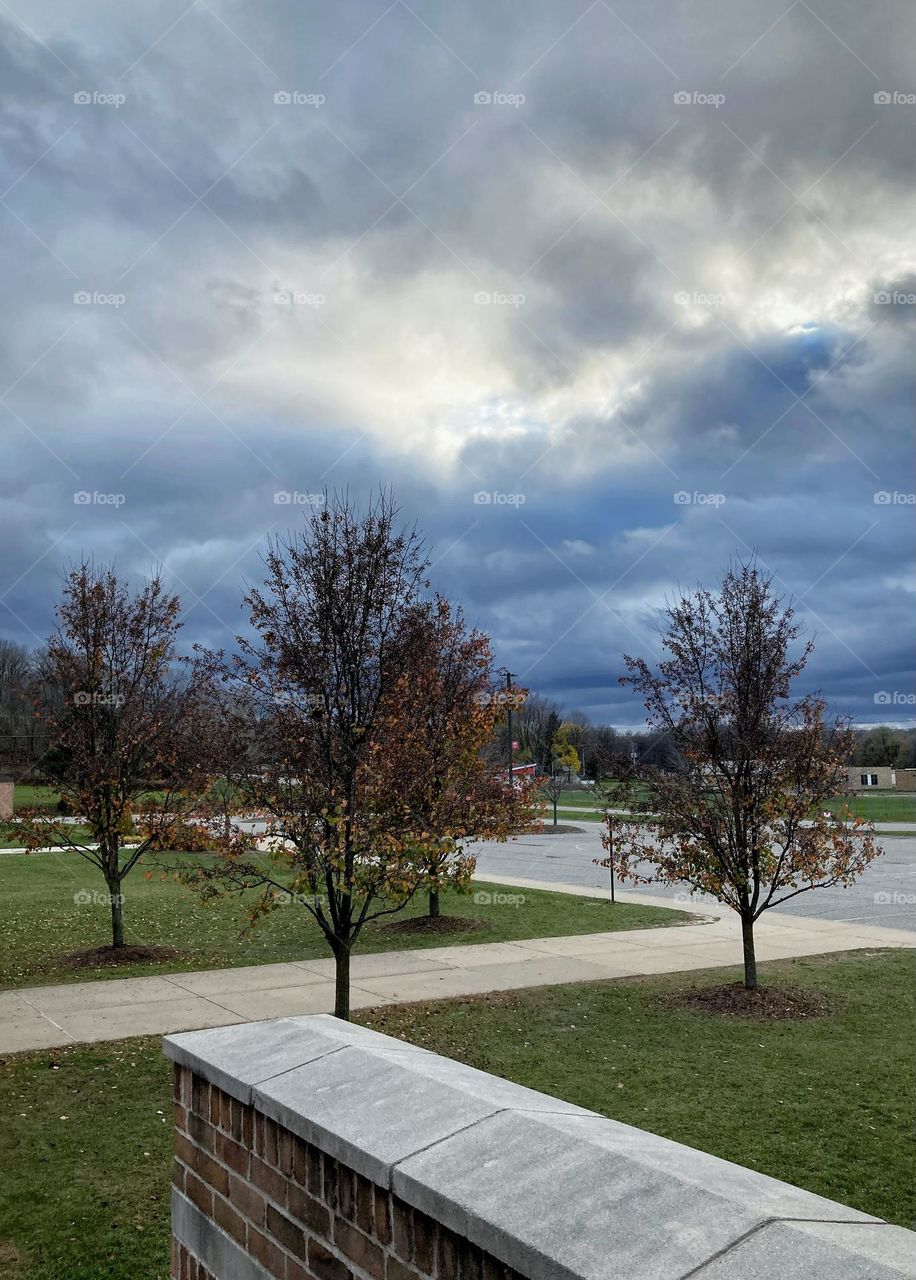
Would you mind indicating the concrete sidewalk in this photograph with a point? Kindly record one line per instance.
(44, 1017)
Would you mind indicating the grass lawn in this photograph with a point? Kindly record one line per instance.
(824, 1103)
(27, 796)
(86, 1140)
(43, 913)
(889, 806)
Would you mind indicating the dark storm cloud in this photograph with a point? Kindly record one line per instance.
(500, 260)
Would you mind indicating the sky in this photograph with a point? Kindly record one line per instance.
(609, 294)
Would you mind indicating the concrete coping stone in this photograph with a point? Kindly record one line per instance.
(554, 1190)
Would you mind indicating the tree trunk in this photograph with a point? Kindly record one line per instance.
(434, 910)
(342, 982)
(117, 918)
(750, 959)
(554, 813)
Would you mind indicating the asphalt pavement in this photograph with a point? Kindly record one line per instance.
(884, 895)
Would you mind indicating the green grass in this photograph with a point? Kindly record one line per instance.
(26, 796)
(888, 806)
(825, 1103)
(15, 842)
(42, 915)
(86, 1140)
(85, 1149)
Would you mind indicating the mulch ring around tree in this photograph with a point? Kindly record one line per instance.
(102, 957)
(561, 829)
(769, 1003)
(428, 925)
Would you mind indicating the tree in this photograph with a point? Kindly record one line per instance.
(459, 795)
(21, 737)
(119, 708)
(744, 819)
(882, 746)
(362, 760)
(564, 753)
(552, 789)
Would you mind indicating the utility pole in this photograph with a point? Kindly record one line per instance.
(610, 855)
(509, 722)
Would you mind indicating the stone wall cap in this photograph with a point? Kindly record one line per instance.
(553, 1190)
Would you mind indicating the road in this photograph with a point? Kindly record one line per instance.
(884, 895)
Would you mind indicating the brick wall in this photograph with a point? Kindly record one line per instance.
(294, 1210)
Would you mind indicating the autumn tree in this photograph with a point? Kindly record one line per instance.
(362, 759)
(743, 818)
(118, 709)
(565, 754)
(458, 795)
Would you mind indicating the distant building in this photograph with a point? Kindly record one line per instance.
(879, 777)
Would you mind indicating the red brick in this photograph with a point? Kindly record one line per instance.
(401, 1230)
(200, 1193)
(203, 1133)
(308, 1210)
(424, 1242)
(381, 1213)
(266, 1252)
(231, 1222)
(359, 1248)
(364, 1215)
(236, 1119)
(247, 1199)
(178, 1175)
(269, 1180)
(296, 1271)
(213, 1173)
(186, 1151)
(400, 1271)
(289, 1233)
(232, 1154)
(325, 1265)
(346, 1193)
(179, 1116)
(200, 1095)
(285, 1152)
(330, 1175)
(447, 1256)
